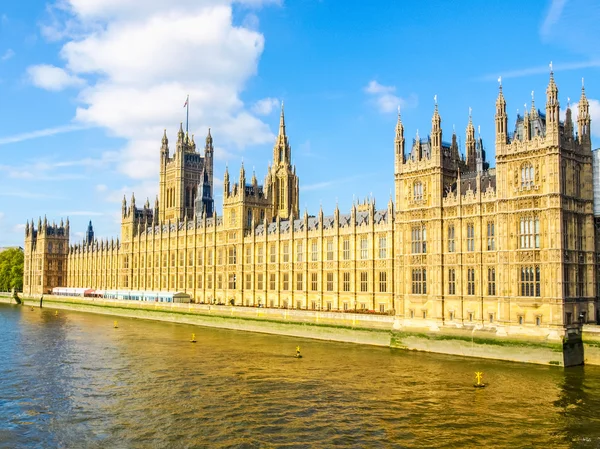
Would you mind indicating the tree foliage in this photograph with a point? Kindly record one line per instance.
(11, 270)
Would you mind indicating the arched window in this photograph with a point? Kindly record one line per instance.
(418, 191)
(577, 181)
(527, 176)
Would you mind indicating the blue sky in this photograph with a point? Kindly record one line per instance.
(87, 86)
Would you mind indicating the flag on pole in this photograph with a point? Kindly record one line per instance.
(186, 101)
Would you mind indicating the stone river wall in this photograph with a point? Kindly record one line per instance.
(378, 330)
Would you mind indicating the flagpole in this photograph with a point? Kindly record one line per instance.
(187, 120)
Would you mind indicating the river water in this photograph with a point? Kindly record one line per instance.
(74, 381)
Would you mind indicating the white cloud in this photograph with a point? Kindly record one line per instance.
(19, 227)
(52, 78)
(142, 59)
(265, 106)
(385, 98)
(40, 133)
(7, 54)
(552, 17)
(101, 188)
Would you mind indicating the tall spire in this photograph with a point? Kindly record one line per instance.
(501, 117)
(399, 142)
(282, 121)
(583, 117)
(552, 106)
(470, 143)
(436, 132)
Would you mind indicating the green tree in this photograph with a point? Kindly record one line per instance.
(11, 270)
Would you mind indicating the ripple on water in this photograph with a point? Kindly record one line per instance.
(74, 381)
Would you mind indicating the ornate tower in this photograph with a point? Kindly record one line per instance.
(182, 176)
(282, 182)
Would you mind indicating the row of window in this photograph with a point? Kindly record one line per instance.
(312, 283)
(529, 284)
(529, 236)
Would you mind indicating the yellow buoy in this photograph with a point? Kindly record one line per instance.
(298, 356)
(116, 325)
(193, 340)
(478, 376)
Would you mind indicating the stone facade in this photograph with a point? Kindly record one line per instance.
(510, 249)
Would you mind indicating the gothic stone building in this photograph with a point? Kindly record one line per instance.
(510, 248)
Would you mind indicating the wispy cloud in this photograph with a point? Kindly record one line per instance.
(41, 133)
(7, 54)
(552, 17)
(82, 213)
(334, 182)
(385, 98)
(529, 71)
(27, 195)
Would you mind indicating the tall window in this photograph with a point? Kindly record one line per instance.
(248, 281)
(314, 283)
(577, 181)
(382, 247)
(418, 191)
(566, 281)
(232, 255)
(346, 249)
(364, 248)
(259, 281)
(491, 237)
(299, 281)
(419, 240)
(232, 281)
(470, 281)
(172, 259)
(181, 258)
(314, 252)
(190, 259)
(563, 178)
(580, 232)
(529, 233)
(451, 247)
(219, 281)
(286, 252)
(491, 282)
(248, 255)
(530, 281)
(329, 282)
(452, 281)
(382, 282)
(329, 249)
(272, 281)
(286, 281)
(419, 281)
(249, 219)
(209, 281)
(364, 281)
(272, 253)
(299, 252)
(581, 281)
(259, 256)
(346, 282)
(470, 237)
(219, 257)
(527, 176)
(209, 257)
(232, 218)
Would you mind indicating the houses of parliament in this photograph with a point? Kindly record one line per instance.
(460, 244)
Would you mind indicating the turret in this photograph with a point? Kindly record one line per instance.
(180, 138)
(568, 121)
(124, 207)
(399, 142)
(552, 108)
(583, 117)
(436, 134)
(164, 149)
(470, 144)
(226, 185)
(501, 118)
